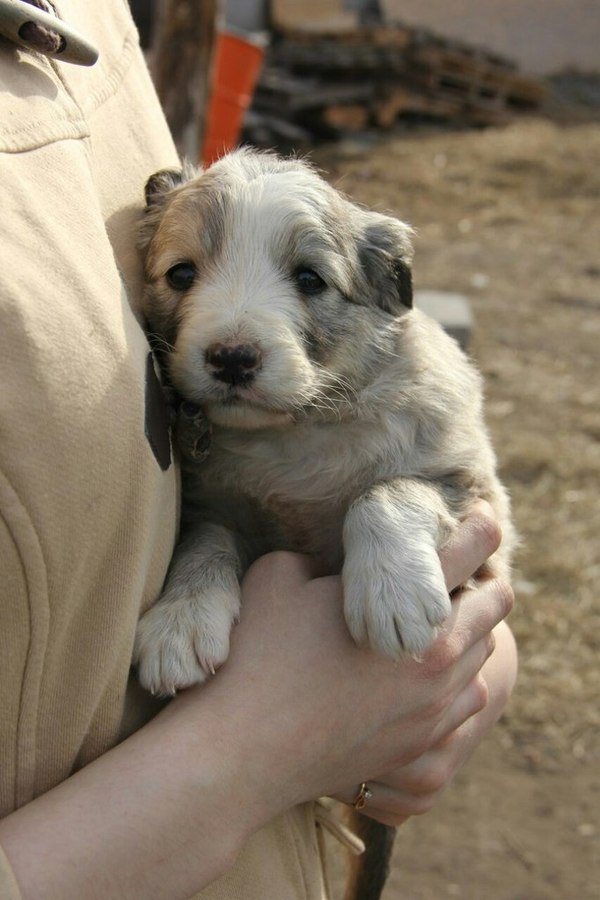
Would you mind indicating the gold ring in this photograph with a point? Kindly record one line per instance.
(362, 798)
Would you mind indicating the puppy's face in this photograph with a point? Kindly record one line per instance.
(271, 292)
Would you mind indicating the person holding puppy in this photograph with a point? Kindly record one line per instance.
(105, 792)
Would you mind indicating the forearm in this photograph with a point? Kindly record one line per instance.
(161, 815)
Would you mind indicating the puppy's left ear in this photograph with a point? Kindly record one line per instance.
(385, 254)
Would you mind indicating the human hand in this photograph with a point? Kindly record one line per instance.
(319, 713)
(414, 789)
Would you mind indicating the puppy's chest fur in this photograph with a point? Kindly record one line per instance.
(292, 489)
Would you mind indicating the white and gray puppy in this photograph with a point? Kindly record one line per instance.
(344, 423)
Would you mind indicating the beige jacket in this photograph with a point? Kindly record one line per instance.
(88, 490)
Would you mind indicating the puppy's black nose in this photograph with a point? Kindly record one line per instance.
(233, 363)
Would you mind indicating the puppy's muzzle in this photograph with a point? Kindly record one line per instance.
(235, 364)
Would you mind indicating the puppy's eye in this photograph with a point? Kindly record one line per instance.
(181, 277)
(309, 282)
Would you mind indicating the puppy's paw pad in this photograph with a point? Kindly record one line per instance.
(179, 643)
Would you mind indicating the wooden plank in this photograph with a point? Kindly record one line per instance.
(312, 15)
(474, 78)
(526, 92)
(378, 36)
(396, 101)
(346, 118)
(315, 96)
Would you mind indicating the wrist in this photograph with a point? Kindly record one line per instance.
(238, 749)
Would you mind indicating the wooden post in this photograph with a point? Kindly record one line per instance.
(181, 66)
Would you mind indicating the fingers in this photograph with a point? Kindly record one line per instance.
(464, 694)
(413, 789)
(475, 613)
(283, 572)
(477, 537)
(471, 700)
(392, 805)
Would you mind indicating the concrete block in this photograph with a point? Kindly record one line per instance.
(452, 311)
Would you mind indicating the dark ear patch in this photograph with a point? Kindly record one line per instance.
(385, 251)
(166, 180)
(404, 283)
(161, 183)
(157, 191)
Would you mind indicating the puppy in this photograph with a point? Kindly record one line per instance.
(345, 424)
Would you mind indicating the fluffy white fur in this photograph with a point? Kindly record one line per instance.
(359, 436)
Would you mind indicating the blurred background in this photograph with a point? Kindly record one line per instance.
(477, 121)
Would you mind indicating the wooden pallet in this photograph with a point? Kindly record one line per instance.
(361, 76)
(473, 78)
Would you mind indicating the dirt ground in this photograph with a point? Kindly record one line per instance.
(511, 218)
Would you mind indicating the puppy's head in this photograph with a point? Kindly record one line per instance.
(273, 295)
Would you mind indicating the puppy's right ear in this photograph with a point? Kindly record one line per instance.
(159, 188)
(166, 180)
(161, 183)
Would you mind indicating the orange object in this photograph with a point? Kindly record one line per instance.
(236, 69)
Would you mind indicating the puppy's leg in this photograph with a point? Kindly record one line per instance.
(394, 590)
(185, 636)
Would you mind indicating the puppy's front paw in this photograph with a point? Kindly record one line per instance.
(181, 640)
(395, 605)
